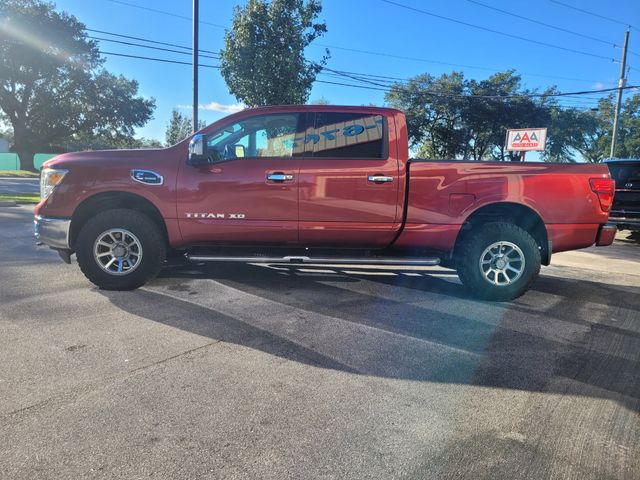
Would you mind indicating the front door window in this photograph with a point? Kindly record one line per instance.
(262, 136)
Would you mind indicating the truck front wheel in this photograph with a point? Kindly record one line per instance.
(120, 249)
(498, 261)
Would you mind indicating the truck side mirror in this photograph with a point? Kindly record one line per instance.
(198, 150)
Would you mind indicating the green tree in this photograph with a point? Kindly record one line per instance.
(488, 115)
(320, 101)
(590, 131)
(629, 133)
(263, 60)
(179, 127)
(434, 109)
(451, 117)
(105, 141)
(52, 84)
(568, 133)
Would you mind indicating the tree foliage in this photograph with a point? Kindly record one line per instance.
(263, 61)
(628, 145)
(85, 141)
(587, 134)
(451, 117)
(53, 88)
(179, 127)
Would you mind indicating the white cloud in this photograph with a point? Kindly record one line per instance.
(218, 107)
(599, 86)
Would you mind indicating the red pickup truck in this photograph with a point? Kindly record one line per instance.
(317, 184)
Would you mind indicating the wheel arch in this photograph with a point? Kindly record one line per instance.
(519, 214)
(111, 200)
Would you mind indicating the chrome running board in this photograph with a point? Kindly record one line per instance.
(429, 262)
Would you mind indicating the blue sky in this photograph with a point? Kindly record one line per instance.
(374, 25)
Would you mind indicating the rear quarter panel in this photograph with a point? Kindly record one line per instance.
(443, 194)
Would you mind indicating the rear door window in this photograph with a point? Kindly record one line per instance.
(346, 135)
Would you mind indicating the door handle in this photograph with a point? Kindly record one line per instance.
(279, 177)
(379, 179)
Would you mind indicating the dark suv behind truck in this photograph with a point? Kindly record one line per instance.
(625, 212)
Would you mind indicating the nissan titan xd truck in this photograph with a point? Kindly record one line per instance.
(317, 184)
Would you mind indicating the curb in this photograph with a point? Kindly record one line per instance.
(8, 203)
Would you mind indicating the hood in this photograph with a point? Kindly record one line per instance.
(95, 157)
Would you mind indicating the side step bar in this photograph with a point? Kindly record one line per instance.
(429, 262)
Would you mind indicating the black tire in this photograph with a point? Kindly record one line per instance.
(148, 234)
(472, 248)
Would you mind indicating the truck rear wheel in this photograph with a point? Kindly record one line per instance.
(498, 261)
(120, 249)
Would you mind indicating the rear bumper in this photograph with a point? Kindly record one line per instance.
(53, 232)
(606, 234)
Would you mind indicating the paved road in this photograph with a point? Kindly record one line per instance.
(243, 371)
(19, 185)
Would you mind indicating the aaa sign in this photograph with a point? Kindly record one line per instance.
(524, 139)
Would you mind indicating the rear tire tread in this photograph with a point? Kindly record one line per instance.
(475, 243)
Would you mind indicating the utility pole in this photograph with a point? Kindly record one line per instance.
(195, 64)
(621, 84)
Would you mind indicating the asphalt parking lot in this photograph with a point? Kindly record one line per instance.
(243, 371)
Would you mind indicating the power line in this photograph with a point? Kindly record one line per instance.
(538, 22)
(147, 40)
(163, 12)
(148, 46)
(497, 32)
(360, 79)
(386, 83)
(593, 14)
(366, 52)
(155, 59)
(385, 77)
(438, 62)
(438, 94)
(338, 73)
(597, 15)
(505, 97)
(403, 82)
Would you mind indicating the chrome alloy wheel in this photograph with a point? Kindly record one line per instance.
(502, 263)
(117, 251)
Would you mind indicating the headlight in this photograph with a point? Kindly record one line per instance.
(49, 178)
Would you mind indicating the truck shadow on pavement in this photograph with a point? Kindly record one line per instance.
(566, 336)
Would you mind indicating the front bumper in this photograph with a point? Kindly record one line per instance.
(606, 234)
(53, 232)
